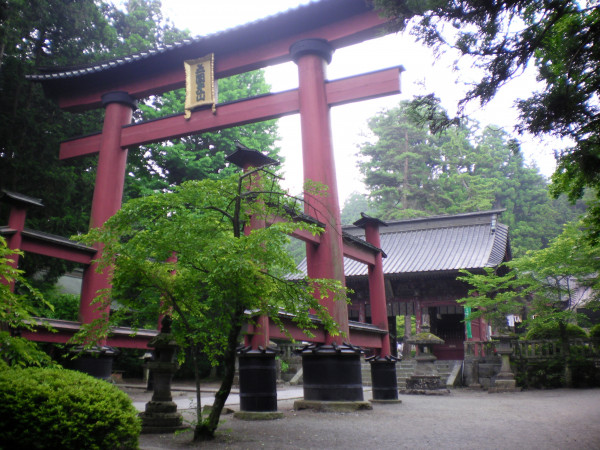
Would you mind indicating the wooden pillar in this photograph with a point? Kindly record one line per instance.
(108, 194)
(260, 329)
(325, 260)
(248, 159)
(379, 316)
(16, 221)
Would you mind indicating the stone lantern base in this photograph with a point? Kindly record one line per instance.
(161, 417)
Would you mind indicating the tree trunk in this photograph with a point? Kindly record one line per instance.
(405, 181)
(196, 350)
(205, 430)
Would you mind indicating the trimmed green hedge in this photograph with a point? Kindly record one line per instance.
(59, 408)
(552, 331)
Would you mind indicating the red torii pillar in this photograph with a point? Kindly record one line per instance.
(383, 365)
(108, 194)
(256, 360)
(331, 372)
(379, 316)
(325, 260)
(248, 159)
(16, 222)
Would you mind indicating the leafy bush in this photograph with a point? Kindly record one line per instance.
(66, 306)
(545, 374)
(595, 331)
(19, 352)
(551, 331)
(584, 371)
(59, 408)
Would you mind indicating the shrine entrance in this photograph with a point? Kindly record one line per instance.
(446, 322)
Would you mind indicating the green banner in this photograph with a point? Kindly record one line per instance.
(468, 322)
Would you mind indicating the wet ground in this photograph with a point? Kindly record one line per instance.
(551, 419)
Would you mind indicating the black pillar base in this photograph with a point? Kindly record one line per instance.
(332, 373)
(258, 379)
(384, 378)
(95, 361)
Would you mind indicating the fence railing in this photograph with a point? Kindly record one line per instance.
(287, 349)
(479, 348)
(536, 349)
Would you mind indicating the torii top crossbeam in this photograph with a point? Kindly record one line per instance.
(247, 47)
(308, 35)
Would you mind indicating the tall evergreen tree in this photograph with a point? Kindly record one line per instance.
(36, 34)
(397, 168)
(458, 170)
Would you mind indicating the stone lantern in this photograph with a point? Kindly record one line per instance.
(161, 414)
(505, 380)
(426, 379)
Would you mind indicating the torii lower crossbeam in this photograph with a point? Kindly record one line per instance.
(271, 106)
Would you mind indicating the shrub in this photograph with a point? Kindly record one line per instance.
(595, 331)
(544, 374)
(59, 408)
(583, 371)
(551, 331)
(66, 306)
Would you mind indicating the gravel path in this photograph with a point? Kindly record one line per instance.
(553, 419)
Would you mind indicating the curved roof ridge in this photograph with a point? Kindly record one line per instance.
(446, 216)
(52, 73)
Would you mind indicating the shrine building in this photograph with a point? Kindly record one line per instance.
(423, 260)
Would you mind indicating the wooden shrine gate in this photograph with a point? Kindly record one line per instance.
(308, 35)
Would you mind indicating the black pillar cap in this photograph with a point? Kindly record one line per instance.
(365, 219)
(311, 47)
(119, 97)
(16, 198)
(243, 156)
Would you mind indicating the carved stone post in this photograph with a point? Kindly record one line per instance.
(161, 414)
(505, 380)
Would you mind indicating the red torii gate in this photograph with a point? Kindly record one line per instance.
(308, 35)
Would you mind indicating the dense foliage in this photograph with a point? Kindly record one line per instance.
(17, 309)
(595, 331)
(545, 286)
(59, 408)
(552, 331)
(502, 38)
(550, 373)
(411, 172)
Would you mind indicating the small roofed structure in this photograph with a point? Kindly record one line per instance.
(424, 258)
(245, 157)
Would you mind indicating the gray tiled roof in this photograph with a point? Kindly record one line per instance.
(437, 244)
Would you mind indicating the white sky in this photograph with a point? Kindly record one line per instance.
(424, 74)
